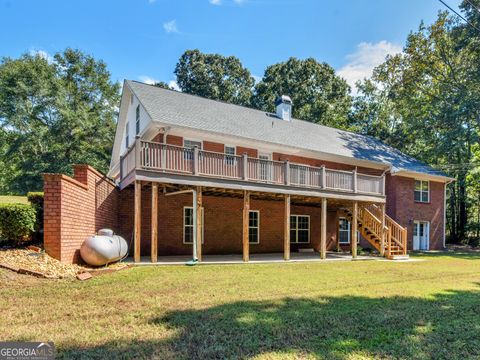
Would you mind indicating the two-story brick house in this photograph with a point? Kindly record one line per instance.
(192, 175)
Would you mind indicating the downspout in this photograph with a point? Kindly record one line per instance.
(194, 208)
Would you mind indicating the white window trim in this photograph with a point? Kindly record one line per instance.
(137, 120)
(127, 135)
(254, 227)
(422, 191)
(193, 140)
(193, 226)
(296, 237)
(230, 159)
(349, 232)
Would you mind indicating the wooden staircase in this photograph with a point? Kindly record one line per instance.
(370, 226)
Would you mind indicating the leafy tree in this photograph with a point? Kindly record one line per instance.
(215, 77)
(317, 93)
(55, 114)
(163, 85)
(427, 99)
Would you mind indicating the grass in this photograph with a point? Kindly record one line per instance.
(12, 199)
(335, 310)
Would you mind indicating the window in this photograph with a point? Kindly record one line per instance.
(254, 227)
(137, 120)
(230, 155)
(188, 225)
(344, 231)
(299, 229)
(127, 137)
(190, 144)
(422, 191)
(264, 167)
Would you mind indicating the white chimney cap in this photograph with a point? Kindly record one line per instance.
(283, 106)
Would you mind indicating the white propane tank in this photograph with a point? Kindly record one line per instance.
(104, 248)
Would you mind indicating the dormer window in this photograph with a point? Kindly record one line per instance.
(137, 120)
(422, 191)
(127, 132)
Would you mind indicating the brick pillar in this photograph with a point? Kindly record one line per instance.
(52, 214)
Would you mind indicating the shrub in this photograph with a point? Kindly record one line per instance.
(17, 222)
(36, 199)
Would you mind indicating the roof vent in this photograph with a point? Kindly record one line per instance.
(284, 107)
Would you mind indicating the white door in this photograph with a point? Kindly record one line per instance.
(421, 237)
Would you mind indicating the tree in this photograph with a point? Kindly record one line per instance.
(318, 95)
(431, 94)
(215, 77)
(55, 114)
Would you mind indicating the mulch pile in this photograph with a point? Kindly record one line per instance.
(37, 263)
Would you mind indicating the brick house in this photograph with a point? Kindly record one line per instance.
(190, 175)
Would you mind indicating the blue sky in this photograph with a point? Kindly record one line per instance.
(143, 39)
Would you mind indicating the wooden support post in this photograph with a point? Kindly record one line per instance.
(323, 230)
(245, 166)
(287, 172)
(286, 231)
(154, 240)
(353, 227)
(383, 233)
(137, 220)
(323, 176)
(246, 209)
(199, 226)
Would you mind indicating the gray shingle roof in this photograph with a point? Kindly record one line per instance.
(176, 108)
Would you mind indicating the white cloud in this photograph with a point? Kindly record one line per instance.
(366, 57)
(148, 80)
(220, 2)
(43, 54)
(174, 85)
(257, 78)
(171, 26)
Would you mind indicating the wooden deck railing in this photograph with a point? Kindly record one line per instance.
(395, 234)
(155, 156)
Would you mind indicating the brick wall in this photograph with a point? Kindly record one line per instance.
(222, 224)
(76, 208)
(405, 210)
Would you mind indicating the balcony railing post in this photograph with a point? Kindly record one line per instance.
(245, 166)
(195, 160)
(354, 184)
(163, 154)
(383, 185)
(287, 172)
(324, 177)
(138, 153)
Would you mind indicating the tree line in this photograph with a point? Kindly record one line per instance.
(423, 101)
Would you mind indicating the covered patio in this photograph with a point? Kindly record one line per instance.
(254, 258)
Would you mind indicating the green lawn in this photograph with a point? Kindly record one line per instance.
(12, 199)
(342, 310)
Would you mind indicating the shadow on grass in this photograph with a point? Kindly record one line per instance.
(446, 326)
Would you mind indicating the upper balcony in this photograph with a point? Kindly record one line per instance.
(146, 156)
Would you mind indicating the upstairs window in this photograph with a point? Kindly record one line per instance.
(230, 155)
(190, 144)
(127, 133)
(137, 120)
(422, 191)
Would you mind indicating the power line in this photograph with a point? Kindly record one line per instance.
(460, 16)
(473, 6)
